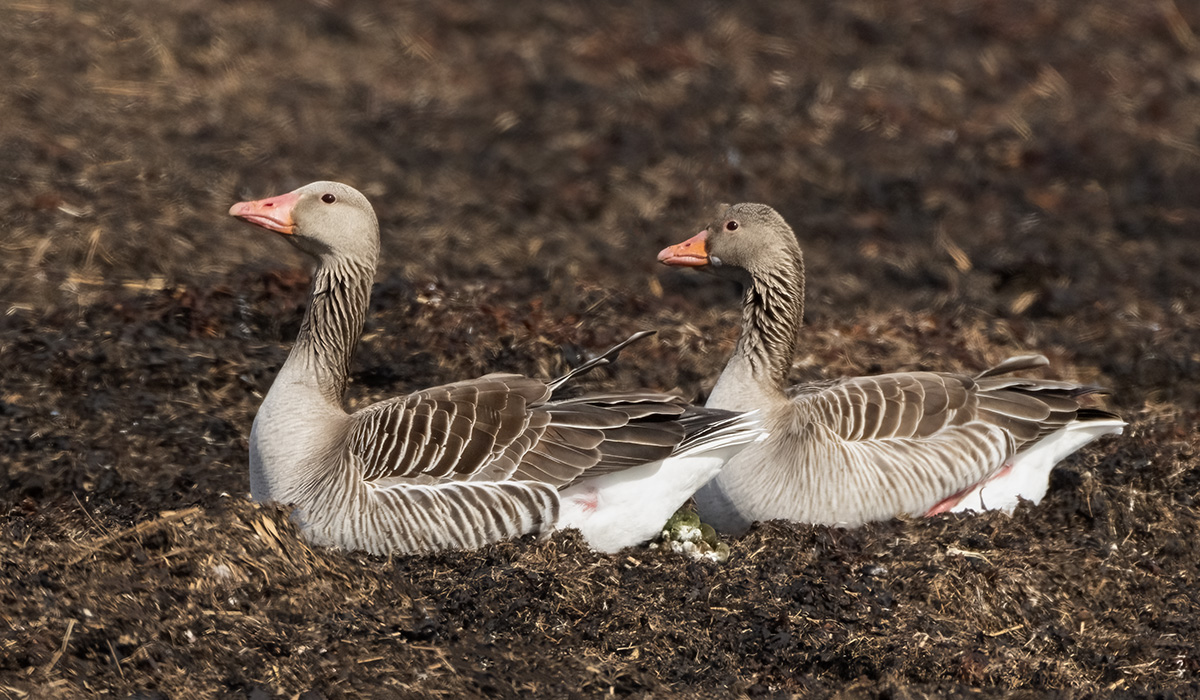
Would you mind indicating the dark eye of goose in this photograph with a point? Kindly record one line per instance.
(731, 225)
(328, 198)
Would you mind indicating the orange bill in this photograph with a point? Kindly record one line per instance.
(274, 213)
(691, 253)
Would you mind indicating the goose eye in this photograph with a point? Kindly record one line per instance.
(731, 225)
(328, 198)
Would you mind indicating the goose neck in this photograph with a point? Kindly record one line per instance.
(333, 323)
(772, 311)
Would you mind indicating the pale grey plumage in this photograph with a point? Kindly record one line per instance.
(867, 448)
(449, 467)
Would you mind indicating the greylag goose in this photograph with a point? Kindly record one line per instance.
(464, 464)
(860, 449)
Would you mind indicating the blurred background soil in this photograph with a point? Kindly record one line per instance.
(970, 179)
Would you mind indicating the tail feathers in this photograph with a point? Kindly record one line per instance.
(1033, 409)
(992, 379)
(720, 429)
(1027, 474)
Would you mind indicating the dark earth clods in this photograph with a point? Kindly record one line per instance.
(969, 179)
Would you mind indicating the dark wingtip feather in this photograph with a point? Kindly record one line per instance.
(1091, 414)
(1015, 364)
(607, 357)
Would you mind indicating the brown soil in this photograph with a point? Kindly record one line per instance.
(969, 179)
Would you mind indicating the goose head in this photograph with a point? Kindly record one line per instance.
(327, 220)
(746, 240)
